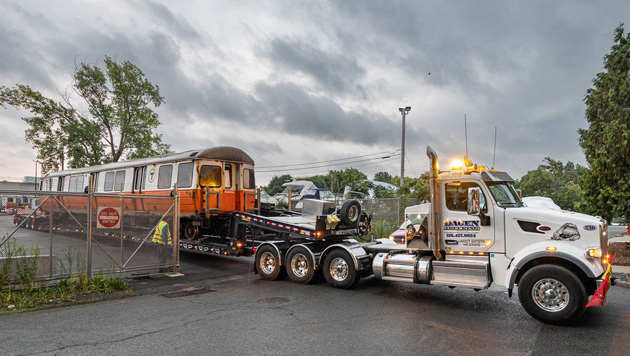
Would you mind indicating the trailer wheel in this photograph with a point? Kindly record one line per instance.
(299, 265)
(268, 263)
(350, 212)
(339, 270)
(190, 231)
(552, 294)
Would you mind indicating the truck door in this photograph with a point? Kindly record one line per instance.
(463, 233)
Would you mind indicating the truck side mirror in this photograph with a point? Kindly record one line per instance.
(410, 231)
(520, 194)
(473, 201)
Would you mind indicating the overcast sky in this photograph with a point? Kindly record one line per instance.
(294, 82)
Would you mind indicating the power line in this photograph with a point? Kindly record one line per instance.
(325, 165)
(308, 169)
(332, 160)
(413, 169)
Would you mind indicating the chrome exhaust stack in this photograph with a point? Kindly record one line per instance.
(434, 221)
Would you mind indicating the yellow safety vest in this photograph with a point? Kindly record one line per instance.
(157, 236)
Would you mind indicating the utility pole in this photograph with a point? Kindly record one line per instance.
(404, 111)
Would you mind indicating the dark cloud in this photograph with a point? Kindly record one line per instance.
(338, 73)
(174, 24)
(295, 111)
(521, 67)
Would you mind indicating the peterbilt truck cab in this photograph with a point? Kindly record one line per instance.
(481, 233)
(475, 232)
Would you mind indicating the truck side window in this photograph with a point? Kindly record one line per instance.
(457, 196)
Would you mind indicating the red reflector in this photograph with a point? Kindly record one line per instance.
(255, 249)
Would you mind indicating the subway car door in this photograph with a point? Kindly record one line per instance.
(228, 200)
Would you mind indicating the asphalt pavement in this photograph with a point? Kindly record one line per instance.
(237, 313)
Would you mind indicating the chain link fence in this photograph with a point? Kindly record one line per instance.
(52, 235)
(387, 214)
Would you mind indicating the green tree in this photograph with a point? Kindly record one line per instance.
(606, 141)
(538, 182)
(556, 180)
(105, 116)
(275, 185)
(383, 177)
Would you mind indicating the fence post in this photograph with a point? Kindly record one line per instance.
(122, 246)
(89, 229)
(50, 229)
(176, 231)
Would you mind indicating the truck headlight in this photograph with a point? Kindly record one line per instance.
(594, 252)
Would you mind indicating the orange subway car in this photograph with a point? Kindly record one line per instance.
(212, 183)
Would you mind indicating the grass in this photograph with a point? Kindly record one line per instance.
(77, 289)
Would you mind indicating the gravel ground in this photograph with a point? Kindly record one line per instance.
(622, 279)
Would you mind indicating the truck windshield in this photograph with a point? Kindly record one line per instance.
(505, 194)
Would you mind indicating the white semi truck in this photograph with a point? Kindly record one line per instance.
(474, 233)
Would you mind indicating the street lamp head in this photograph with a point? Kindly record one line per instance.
(401, 109)
(408, 108)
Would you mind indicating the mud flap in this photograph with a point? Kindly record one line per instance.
(597, 300)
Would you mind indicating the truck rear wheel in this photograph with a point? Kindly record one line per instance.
(552, 294)
(339, 270)
(299, 265)
(268, 263)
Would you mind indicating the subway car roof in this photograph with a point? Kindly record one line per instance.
(223, 153)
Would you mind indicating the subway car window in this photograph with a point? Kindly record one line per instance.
(140, 179)
(94, 181)
(119, 181)
(228, 176)
(80, 185)
(248, 179)
(60, 184)
(72, 184)
(109, 181)
(184, 175)
(165, 174)
(210, 176)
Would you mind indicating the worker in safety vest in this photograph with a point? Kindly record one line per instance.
(162, 233)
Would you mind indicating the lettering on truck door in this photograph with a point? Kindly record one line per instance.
(460, 231)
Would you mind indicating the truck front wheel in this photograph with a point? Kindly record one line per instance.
(339, 270)
(552, 294)
(268, 263)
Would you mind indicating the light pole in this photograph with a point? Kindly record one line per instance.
(404, 111)
(36, 162)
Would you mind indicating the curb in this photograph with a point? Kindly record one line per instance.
(622, 284)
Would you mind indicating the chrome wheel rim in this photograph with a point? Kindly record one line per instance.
(267, 263)
(339, 269)
(299, 265)
(353, 213)
(550, 294)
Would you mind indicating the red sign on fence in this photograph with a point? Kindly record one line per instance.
(108, 218)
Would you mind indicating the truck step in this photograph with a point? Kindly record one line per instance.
(462, 272)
